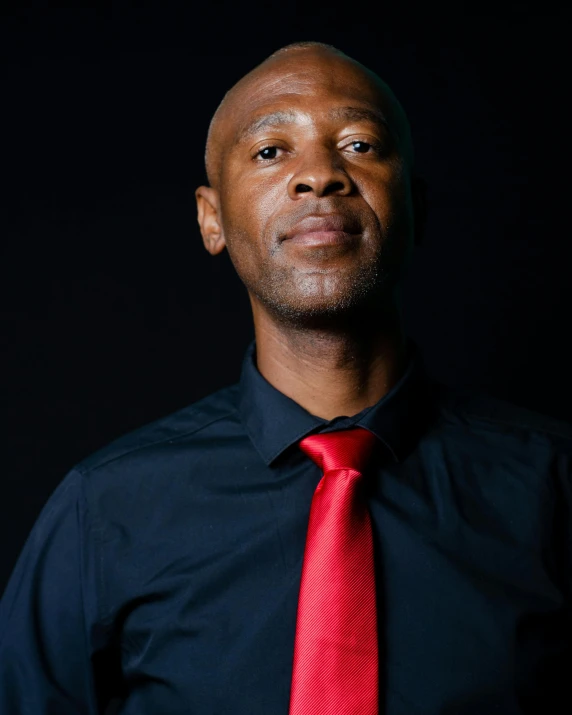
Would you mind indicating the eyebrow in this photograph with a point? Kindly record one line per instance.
(360, 114)
(275, 119)
(281, 118)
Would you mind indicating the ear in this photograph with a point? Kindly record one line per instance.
(208, 216)
(420, 207)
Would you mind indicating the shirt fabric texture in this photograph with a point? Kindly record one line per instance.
(162, 575)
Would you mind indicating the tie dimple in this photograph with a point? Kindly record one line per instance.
(348, 449)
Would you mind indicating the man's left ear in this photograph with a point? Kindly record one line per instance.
(419, 197)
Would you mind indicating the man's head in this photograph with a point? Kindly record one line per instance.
(311, 147)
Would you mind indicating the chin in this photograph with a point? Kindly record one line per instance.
(313, 313)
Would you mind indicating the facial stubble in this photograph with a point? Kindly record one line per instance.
(312, 297)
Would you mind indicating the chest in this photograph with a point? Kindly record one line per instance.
(465, 620)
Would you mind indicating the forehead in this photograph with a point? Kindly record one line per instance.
(306, 85)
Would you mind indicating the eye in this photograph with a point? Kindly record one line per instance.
(268, 153)
(361, 147)
(368, 146)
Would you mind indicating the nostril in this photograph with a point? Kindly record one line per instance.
(335, 187)
(303, 188)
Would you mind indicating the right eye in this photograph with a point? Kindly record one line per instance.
(267, 153)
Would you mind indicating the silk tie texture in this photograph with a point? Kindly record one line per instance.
(335, 669)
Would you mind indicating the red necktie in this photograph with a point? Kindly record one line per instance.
(335, 652)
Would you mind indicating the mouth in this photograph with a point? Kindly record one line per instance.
(328, 230)
(323, 238)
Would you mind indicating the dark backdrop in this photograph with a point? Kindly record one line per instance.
(114, 314)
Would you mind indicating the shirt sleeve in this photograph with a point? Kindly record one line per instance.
(44, 653)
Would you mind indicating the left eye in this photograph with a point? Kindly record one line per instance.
(361, 147)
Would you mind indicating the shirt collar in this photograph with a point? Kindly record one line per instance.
(275, 422)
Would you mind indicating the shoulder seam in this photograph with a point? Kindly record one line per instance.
(84, 471)
(550, 426)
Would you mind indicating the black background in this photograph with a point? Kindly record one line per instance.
(114, 314)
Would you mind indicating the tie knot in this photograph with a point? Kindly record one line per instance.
(346, 449)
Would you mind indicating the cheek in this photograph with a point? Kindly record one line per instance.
(247, 205)
(389, 197)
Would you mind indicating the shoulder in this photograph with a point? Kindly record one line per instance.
(183, 424)
(480, 411)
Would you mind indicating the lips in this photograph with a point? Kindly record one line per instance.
(323, 228)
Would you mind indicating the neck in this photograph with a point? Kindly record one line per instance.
(332, 373)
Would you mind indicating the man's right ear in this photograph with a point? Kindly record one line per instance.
(208, 218)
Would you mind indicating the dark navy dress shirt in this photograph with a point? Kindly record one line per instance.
(162, 575)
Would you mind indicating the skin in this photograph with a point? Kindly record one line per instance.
(327, 319)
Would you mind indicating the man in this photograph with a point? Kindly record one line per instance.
(337, 533)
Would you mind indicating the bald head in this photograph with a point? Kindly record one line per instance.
(300, 63)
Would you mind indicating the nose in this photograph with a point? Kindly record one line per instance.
(322, 174)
